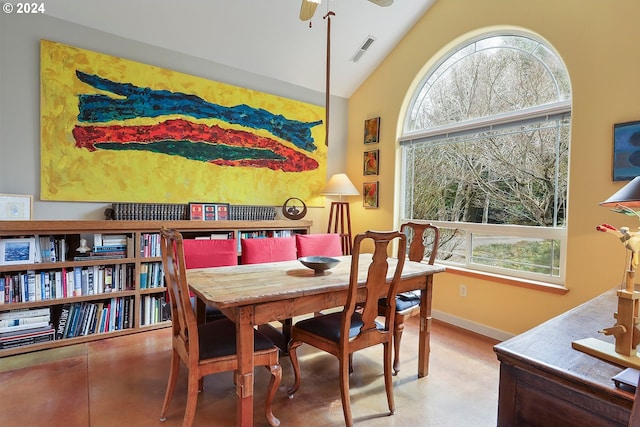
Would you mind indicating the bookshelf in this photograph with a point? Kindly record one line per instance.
(122, 292)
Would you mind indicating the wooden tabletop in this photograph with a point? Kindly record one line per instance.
(257, 283)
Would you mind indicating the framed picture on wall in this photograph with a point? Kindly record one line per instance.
(15, 207)
(371, 162)
(372, 131)
(626, 151)
(370, 194)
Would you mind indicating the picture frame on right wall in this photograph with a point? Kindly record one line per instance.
(370, 194)
(372, 131)
(626, 151)
(370, 162)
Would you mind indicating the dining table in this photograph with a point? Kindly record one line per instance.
(258, 294)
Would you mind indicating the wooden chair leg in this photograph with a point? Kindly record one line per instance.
(293, 356)
(192, 398)
(344, 391)
(171, 385)
(388, 378)
(276, 377)
(397, 338)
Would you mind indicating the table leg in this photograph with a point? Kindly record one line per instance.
(424, 346)
(244, 374)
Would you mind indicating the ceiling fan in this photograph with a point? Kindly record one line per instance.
(308, 7)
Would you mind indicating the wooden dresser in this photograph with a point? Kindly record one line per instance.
(546, 383)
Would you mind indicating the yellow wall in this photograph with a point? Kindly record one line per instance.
(599, 43)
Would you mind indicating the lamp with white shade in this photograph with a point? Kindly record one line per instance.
(339, 217)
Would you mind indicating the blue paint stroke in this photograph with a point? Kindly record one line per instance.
(145, 102)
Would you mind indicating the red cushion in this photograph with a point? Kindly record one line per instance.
(268, 249)
(319, 244)
(202, 253)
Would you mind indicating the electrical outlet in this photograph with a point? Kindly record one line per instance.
(463, 290)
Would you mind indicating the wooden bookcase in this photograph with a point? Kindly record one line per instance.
(137, 293)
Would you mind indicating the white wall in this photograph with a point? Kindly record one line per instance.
(20, 102)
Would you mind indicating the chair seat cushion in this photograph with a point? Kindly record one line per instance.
(218, 339)
(405, 300)
(328, 325)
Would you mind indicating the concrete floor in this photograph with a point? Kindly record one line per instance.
(121, 382)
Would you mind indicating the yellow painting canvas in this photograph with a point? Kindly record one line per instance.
(116, 130)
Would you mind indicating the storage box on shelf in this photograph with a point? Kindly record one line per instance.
(56, 294)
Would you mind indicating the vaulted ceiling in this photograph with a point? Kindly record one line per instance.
(265, 37)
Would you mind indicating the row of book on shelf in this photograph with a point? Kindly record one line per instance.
(87, 318)
(32, 285)
(36, 325)
(154, 308)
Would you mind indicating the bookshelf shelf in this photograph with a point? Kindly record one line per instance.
(132, 299)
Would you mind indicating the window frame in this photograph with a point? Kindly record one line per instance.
(558, 110)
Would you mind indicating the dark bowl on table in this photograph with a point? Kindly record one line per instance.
(319, 264)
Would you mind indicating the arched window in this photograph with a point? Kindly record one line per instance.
(485, 154)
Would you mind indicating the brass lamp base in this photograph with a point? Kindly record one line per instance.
(605, 351)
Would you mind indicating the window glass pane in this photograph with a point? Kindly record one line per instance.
(516, 253)
(453, 245)
(491, 76)
(509, 176)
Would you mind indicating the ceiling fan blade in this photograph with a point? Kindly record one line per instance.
(308, 8)
(383, 3)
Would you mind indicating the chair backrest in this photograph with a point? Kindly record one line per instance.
(202, 253)
(268, 249)
(183, 319)
(376, 283)
(324, 244)
(417, 245)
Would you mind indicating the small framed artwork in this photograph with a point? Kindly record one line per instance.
(204, 211)
(222, 211)
(626, 151)
(17, 251)
(196, 211)
(372, 131)
(371, 162)
(370, 194)
(15, 207)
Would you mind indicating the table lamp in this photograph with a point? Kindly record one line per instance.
(339, 216)
(625, 331)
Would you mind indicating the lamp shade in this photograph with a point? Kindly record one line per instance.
(628, 196)
(340, 185)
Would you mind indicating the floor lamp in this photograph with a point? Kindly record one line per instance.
(339, 216)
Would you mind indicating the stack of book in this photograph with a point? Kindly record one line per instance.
(25, 327)
(108, 246)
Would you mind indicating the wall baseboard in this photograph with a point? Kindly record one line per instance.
(478, 328)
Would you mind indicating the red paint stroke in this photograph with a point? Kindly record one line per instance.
(90, 137)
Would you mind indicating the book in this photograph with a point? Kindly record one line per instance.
(26, 339)
(26, 312)
(62, 321)
(5, 329)
(25, 321)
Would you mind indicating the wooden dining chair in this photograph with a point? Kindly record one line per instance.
(203, 253)
(345, 332)
(207, 348)
(322, 244)
(408, 303)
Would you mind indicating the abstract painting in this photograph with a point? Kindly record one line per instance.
(116, 130)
